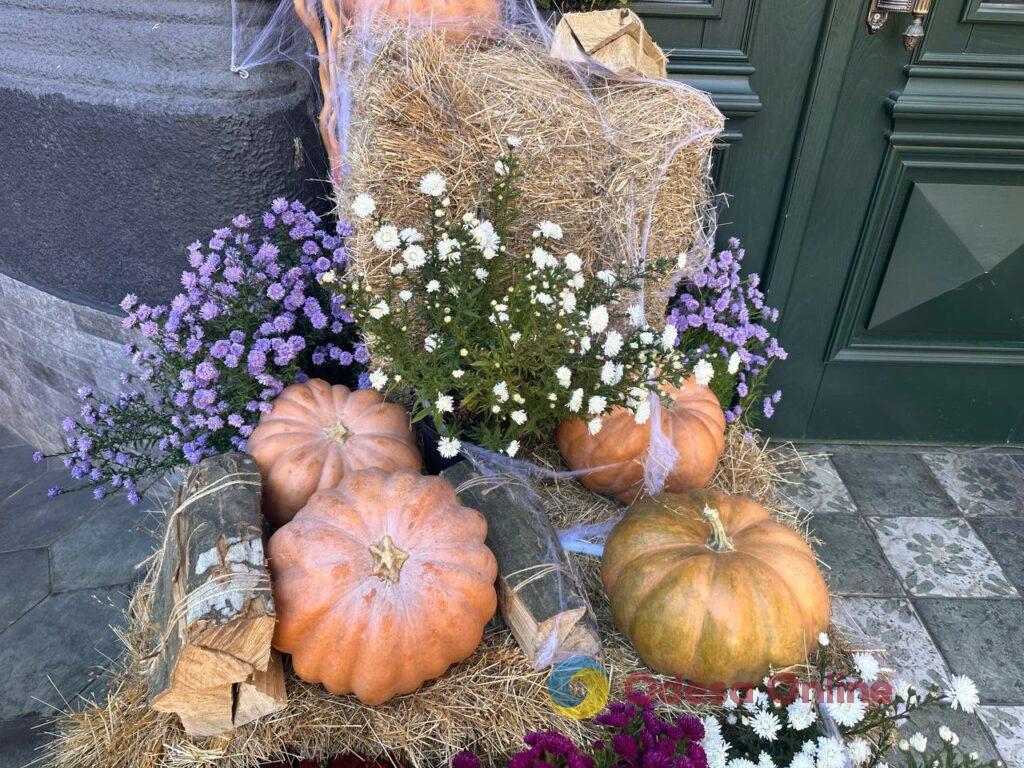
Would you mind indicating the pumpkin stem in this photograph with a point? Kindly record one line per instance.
(718, 540)
(337, 432)
(387, 560)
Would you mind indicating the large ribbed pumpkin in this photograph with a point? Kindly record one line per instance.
(456, 18)
(708, 586)
(317, 433)
(381, 584)
(694, 424)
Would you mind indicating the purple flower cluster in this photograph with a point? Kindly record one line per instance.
(720, 313)
(548, 749)
(639, 738)
(253, 317)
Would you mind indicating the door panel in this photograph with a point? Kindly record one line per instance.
(899, 264)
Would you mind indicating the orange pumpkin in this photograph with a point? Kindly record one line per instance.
(381, 584)
(458, 19)
(317, 433)
(709, 587)
(694, 424)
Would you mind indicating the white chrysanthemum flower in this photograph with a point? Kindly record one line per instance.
(612, 343)
(646, 337)
(550, 230)
(758, 700)
(823, 639)
(585, 344)
(831, 752)
(801, 715)
(577, 281)
(500, 391)
(363, 206)
(611, 373)
(458, 373)
(802, 760)
(904, 745)
(484, 235)
(606, 276)
(433, 286)
(594, 425)
(444, 403)
(545, 298)
(481, 274)
(515, 337)
(642, 412)
(433, 184)
(542, 259)
(575, 401)
(415, 256)
(860, 751)
(386, 238)
(847, 713)
(918, 742)
(564, 376)
(449, 447)
(946, 734)
(636, 315)
(568, 300)
(378, 379)
(513, 141)
(328, 277)
(405, 295)
(668, 337)
(597, 404)
(513, 448)
(742, 762)
(411, 235)
(764, 760)
(379, 310)
(703, 372)
(961, 693)
(598, 319)
(734, 362)
(867, 666)
(430, 343)
(681, 260)
(397, 269)
(573, 262)
(766, 725)
(519, 417)
(500, 167)
(446, 245)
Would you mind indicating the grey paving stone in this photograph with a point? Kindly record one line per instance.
(24, 581)
(54, 651)
(30, 519)
(980, 483)
(104, 549)
(815, 486)
(980, 639)
(1006, 724)
(9, 439)
(974, 737)
(1004, 537)
(856, 565)
(20, 740)
(17, 470)
(892, 484)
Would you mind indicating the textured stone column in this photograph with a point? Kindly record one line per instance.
(124, 136)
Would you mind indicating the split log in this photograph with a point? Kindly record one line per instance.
(540, 594)
(262, 694)
(213, 613)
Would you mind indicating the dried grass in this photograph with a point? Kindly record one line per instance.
(599, 155)
(485, 704)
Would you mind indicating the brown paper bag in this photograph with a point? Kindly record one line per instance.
(616, 39)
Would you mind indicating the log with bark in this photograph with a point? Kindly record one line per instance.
(540, 594)
(213, 614)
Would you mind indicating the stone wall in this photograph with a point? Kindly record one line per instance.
(48, 348)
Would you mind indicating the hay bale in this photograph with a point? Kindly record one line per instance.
(600, 155)
(486, 703)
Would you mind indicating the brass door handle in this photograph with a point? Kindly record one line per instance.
(879, 12)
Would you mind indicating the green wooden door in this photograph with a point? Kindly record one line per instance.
(882, 195)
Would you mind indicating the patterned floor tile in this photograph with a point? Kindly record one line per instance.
(890, 484)
(938, 556)
(981, 639)
(974, 736)
(1004, 537)
(980, 483)
(892, 626)
(1006, 724)
(815, 486)
(854, 562)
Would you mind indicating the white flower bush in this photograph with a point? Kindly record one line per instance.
(498, 343)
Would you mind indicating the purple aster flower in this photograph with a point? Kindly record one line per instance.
(465, 760)
(54, 491)
(37, 456)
